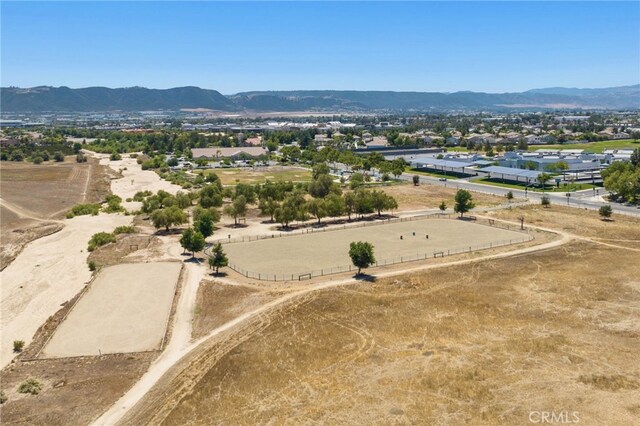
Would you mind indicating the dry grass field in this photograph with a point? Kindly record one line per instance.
(34, 196)
(485, 343)
(260, 175)
(586, 223)
(50, 190)
(328, 251)
(424, 196)
(75, 390)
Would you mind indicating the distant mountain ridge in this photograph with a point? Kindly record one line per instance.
(102, 99)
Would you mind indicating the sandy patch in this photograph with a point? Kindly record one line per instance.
(46, 274)
(125, 310)
(134, 178)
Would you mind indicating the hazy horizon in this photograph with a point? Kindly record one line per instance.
(320, 90)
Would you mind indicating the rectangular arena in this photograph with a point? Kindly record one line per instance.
(322, 253)
(124, 310)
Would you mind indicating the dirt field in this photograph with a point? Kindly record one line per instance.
(482, 344)
(34, 197)
(76, 390)
(48, 272)
(48, 191)
(410, 197)
(329, 250)
(125, 310)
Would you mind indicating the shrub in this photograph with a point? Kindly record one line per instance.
(115, 157)
(18, 345)
(100, 239)
(37, 160)
(141, 195)
(113, 204)
(92, 265)
(3, 397)
(545, 201)
(605, 211)
(84, 209)
(124, 230)
(31, 386)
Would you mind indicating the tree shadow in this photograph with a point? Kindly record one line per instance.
(219, 274)
(365, 277)
(196, 260)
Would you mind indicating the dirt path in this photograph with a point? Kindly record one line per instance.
(179, 345)
(177, 350)
(25, 214)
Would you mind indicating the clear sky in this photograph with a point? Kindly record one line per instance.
(241, 46)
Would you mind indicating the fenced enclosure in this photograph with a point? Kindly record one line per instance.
(305, 255)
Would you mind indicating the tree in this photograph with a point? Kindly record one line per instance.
(321, 187)
(319, 170)
(361, 254)
(635, 156)
(416, 180)
(218, 258)
(543, 178)
(442, 206)
(204, 223)
(185, 238)
(334, 204)
(349, 203)
(397, 167)
(167, 217)
(605, 211)
(356, 181)
(237, 208)
(545, 201)
(268, 207)
(58, 156)
(464, 202)
(192, 240)
(317, 208)
(382, 201)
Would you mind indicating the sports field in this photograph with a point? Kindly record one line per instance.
(328, 252)
(125, 310)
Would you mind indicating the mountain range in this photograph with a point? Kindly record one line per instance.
(102, 99)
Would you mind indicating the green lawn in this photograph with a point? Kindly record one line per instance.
(548, 188)
(594, 147)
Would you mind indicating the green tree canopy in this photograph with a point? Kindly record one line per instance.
(361, 254)
(464, 202)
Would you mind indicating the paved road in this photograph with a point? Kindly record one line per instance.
(579, 199)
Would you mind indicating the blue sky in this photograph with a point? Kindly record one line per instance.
(241, 46)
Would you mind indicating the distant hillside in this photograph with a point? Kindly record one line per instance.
(64, 99)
